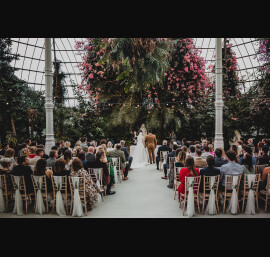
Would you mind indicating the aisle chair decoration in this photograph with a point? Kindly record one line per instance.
(39, 206)
(98, 173)
(114, 162)
(77, 207)
(163, 158)
(250, 208)
(233, 205)
(18, 206)
(2, 200)
(211, 208)
(60, 208)
(190, 201)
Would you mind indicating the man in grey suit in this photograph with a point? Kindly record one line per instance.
(123, 163)
(124, 149)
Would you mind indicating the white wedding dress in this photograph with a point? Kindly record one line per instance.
(140, 154)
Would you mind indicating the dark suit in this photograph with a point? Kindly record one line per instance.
(208, 171)
(128, 158)
(161, 148)
(25, 171)
(90, 157)
(166, 165)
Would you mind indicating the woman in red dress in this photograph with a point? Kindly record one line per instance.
(188, 171)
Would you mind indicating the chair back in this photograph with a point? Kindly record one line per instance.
(57, 186)
(32, 167)
(207, 184)
(80, 186)
(116, 162)
(21, 185)
(163, 155)
(229, 182)
(39, 182)
(77, 183)
(177, 172)
(260, 168)
(268, 184)
(195, 184)
(3, 184)
(96, 174)
(254, 185)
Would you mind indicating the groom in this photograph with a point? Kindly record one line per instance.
(151, 144)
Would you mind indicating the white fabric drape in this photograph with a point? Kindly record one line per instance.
(211, 206)
(60, 208)
(250, 208)
(164, 157)
(190, 201)
(2, 200)
(40, 208)
(98, 175)
(234, 198)
(114, 162)
(77, 205)
(18, 206)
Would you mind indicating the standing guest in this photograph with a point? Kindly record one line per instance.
(199, 161)
(91, 188)
(250, 142)
(124, 149)
(235, 149)
(60, 170)
(5, 170)
(68, 159)
(22, 169)
(219, 161)
(188, 171)
(81, 156)
(4, 149)
(25, 152)
(210, 170)
(84, 142)
(32, 151)
(167, 164)
(116, 153)
(39, 155)
(232, 168)
(205, 152)
(41, 170)
(52, 159)
(90, 156)
(10, 153)
(248, 168)
(263, 158)
(163, 147)
(192, 150)
(211, 149)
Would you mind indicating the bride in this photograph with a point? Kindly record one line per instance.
(140, 155)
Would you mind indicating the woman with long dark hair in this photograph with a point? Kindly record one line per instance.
(68, 158)
(188, 171)
(248, 168)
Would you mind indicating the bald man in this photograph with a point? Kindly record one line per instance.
(163, 147)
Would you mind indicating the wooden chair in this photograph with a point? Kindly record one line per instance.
(63, 190)
(7, 193)
(227, 194)
(265, 194)
(162, 157)
(207, 189)
(27, 198)
(196, 186)
(44, 191)
(260, 168)
(176, 182)
(93, 172)
(117, 163)
(255, 188)
(32, 167)
(82, 193)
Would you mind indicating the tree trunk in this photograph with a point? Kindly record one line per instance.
(13, 126)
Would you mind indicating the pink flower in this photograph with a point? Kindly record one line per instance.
(186, 69)
(91, 76)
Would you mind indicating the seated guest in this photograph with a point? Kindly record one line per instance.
(78, 148)
(235, 149)
(246, 149)
(39, 154)
(210, 170)
(91, 188)
(28, 143)
(68, 145)
(219, 161)
(22, 169)
(264, 158)
(163, 147)
(199, 162)
(81, 156)
(46, 156)
(52, 159)
(192, 150)
(265, 143)
(116, 153)
(90, 156)
(41, 170)
(263, 182)
(211, 149)
(232, 168)
(85, 149)
(167, 164)
(177, 161)
(205, 153)
(25, 152)
(124, 149)
(10, 153)
(247, 168)
(101, 162)
(110, 146)
(4, 149)
(184, 149)
(32, 152)
(34, 143)
(63, 149)
(5, 170)
(84, 142)
(239, 147)
(103, 141)
(60, 170)
(68, 159)
(250, 142)
(21, 146)
(107, 159)
(188, 171)
(197, 146)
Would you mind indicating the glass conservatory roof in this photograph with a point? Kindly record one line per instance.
(31, 61)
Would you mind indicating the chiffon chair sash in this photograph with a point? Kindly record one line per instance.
(250, 208)
(164, 157)
(211, 206)
(18, 206)
(77, 207)
(40, 208)
(98, 176)
(2, 200)
(234, 198)
(114, 162)
(190, 201)
(60, 208)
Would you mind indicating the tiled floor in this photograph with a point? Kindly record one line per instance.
(144, 195)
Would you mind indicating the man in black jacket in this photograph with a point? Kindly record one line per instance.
(90, 156)
(163, 147)
(22, 169)
(124, 149)
(219, 161)
(166, 165)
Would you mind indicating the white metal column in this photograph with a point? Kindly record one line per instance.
(219, 101)
(49, 100)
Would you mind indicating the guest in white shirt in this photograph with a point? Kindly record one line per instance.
(39, 155)
(205, 152)
(191, 151)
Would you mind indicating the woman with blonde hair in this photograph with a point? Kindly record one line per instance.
(10, 154)
(110, 146)
(25, 152)
(68, 145)
(32, 151)
(211, 149)
(180, 159)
